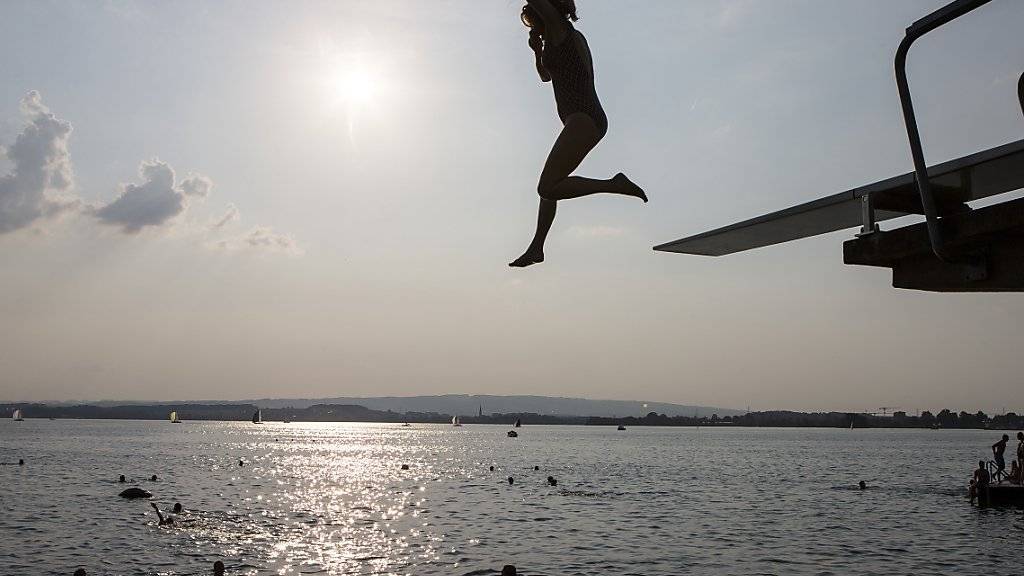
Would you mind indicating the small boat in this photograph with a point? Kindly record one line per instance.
(455, 421)
(621, 427)
(513, 434)
(17, 415)
(174, 418)
(406, 425)
(519, 423)
(257, 416)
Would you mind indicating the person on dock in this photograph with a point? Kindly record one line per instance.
(562, 57)
(998, 449)
(1020, 448)
(979, 483)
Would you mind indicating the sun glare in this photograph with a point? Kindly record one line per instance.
(354, 85)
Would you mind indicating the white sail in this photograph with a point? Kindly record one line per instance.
(257, 416)
(17, 415)
(455, 421)
(174, 417)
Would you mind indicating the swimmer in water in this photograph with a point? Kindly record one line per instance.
(121, 479)
(218, 568)
(863, 485)
(163, 521)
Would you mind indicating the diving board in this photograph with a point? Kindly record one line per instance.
(955, 183)
(956, 248)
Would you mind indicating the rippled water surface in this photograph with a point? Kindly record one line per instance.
(333, 499)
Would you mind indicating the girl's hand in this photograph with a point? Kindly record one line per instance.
(536, 42)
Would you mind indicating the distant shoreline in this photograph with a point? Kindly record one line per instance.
(946, 419)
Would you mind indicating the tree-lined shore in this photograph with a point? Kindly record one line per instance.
(355, 413)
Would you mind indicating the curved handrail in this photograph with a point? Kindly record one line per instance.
(1020, 92)
(930, 22)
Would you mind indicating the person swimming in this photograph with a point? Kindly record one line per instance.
(552, 481)
(863, 485)
(121, 479)
(563, 58)
(163, 521)
(218, 568)
(177, 508)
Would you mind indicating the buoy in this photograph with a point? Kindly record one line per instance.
(552, 481)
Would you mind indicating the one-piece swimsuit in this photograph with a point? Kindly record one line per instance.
(572, 78)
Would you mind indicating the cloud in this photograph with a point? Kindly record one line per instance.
(154, 202)
(41, 179)
(230, 216)
(595, 231)
(262, 238)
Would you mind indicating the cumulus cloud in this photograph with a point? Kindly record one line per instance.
(41, 179)
(153, 202)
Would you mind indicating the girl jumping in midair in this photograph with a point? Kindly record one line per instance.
(563, 58)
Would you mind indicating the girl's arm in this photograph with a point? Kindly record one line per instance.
(537, 44)
(554, 23)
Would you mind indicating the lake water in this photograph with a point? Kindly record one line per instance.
(332, 499)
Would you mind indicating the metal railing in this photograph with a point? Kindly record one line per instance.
(930, 22)
(994, 473)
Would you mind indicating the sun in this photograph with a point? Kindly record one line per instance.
(354, 85)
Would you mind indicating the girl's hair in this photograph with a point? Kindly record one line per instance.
(567, 8)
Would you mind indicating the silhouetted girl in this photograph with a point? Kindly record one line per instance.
(563, 58)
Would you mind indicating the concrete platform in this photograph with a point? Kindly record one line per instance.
(1004, 494)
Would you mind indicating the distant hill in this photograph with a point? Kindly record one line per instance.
(468, 405)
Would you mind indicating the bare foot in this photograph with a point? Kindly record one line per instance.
(628, 187)
(529, 257)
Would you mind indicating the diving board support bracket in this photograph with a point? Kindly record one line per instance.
(930, 22)
(867, 214)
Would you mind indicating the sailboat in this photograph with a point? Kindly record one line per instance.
(455, 421)
(519, 423)
(257, 416)
(174, 417)
(17, 415)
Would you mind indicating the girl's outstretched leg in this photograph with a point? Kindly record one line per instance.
(535, 252)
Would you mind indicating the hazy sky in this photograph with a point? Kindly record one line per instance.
(252, 199)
